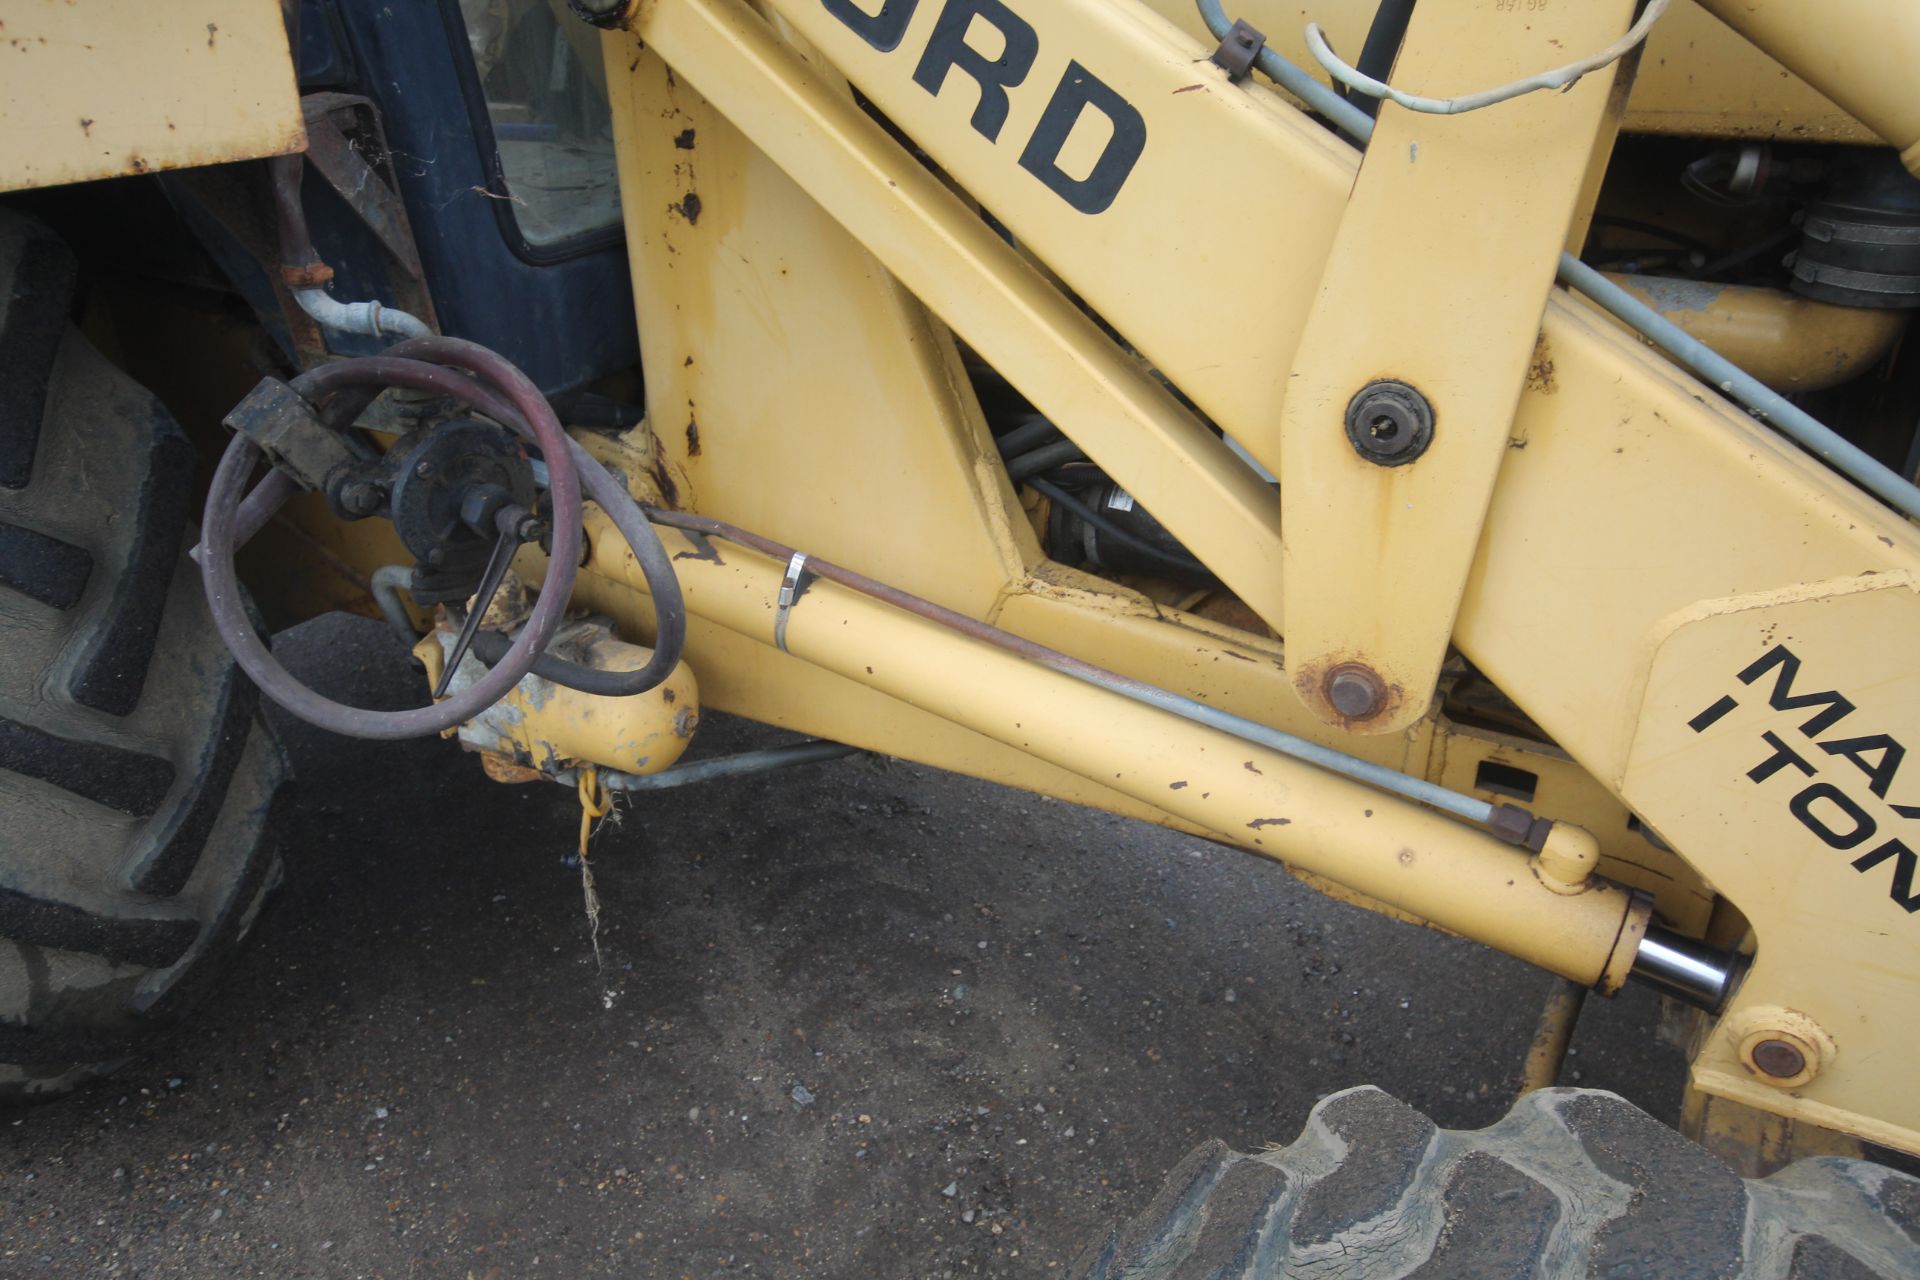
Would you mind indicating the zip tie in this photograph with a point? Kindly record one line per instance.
(792, 587)
(1560, 78)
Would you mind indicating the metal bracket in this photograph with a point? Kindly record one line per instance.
(792, 587)
(275, 417)
(1237, 53)
(1422, 340)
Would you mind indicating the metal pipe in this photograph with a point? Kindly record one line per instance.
(386, 584)
(1742, 387)
(1684, 968)
(817, 751)
(1762, 401)
(973, 675)
(367, 318)
(1788, 342)
(1304, 750)
(1552, 1036)
(1340, 113)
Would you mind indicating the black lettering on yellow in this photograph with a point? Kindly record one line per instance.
(1879, 773)
(882, 29)
(1782, 698)
(1902, 890)
(1081, 91)
(947, 49)
(1783, 755)
(1859, 827)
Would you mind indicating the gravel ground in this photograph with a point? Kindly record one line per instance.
(860, 1019)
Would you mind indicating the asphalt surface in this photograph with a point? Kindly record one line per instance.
(858, 1019)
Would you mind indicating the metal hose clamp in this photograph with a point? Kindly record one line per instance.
(792, 587)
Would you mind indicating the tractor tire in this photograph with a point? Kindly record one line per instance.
(138, 782)
(1571, 1182)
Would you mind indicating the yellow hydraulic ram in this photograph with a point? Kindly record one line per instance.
(1547, 910)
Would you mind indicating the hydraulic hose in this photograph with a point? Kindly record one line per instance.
(491, 648)
(226, 602)
(352, 386)
(670, 610)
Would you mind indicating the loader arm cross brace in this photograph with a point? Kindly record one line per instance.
(1711, 624)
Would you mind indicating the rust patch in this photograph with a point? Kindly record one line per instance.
(1540, 369)
(1311, 683)
(1248, 766)
(311, 276)
(213, 29)
(688, 208)
(1175, 786)
(669, 491)
(684, 140)
(1189, 88)
(1258, 823)
(693, 437)
(86, 126)
(501, 769)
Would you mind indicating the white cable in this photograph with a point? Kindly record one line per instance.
(1560, 78)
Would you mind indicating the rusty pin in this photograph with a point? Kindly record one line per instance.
(1778, 1059)
(1354, 691)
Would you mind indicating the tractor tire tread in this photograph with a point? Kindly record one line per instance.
(141, 790)
(1571, 1182)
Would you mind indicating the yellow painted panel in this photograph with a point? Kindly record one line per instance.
(1218, 252)
(100, 88)
(1437, 284)
(755, 309)
(1774, 722)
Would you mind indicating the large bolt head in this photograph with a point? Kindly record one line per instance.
(1779, 1059)
(1355, 692)
(1389, 423)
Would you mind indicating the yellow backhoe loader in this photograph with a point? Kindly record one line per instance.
(1462, 451)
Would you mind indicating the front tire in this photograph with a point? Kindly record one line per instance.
(138, 782)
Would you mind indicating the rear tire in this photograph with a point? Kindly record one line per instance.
(138, 782)
(1571, 1182)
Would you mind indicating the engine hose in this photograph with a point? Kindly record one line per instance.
(350, 396)
(1043, 459)
(226, 601)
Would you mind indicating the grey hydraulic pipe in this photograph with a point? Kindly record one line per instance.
(1759, 399)
(367, 318)
(734, 766)
(1376, 775)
